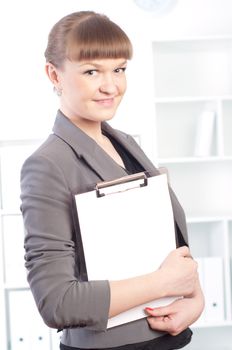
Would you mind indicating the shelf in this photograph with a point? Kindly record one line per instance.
(192, 160)
(15, 286)
(185, 67)
(9, 212)
(189, 99)
(209, 219)
(192, 39)
(20, 142)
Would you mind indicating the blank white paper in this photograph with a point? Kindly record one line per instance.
(127, 233)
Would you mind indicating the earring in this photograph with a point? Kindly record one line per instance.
(57, 91)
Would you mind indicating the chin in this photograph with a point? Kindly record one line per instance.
(107, 117)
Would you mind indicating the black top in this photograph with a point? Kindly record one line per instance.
(132, 166)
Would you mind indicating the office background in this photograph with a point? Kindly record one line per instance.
(178, 107)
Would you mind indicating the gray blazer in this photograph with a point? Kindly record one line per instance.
(67, 163)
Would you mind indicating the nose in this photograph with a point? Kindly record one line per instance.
(108, 84)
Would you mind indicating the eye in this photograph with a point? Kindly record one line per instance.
(120, 70)
(91, 72)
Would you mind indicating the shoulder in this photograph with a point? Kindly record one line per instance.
(53, 152)
(52, 148)
(41, 171)
(54, 163)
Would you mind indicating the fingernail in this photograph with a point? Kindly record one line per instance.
(149, 308)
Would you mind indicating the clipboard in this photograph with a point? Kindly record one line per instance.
(127, 229)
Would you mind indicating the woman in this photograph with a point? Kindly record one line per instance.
(86, 59)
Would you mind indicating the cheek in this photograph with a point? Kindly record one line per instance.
(72, 84)
(77, 90)
(122, 87)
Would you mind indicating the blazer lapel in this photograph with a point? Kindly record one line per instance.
(87, 149)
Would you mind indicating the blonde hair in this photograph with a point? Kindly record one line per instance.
(86, 35)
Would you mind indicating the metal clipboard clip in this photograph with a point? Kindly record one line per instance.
(122, 184)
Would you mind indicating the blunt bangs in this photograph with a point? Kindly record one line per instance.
(97, 38)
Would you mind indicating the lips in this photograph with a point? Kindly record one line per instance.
(107, 102)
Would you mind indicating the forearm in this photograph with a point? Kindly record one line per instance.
(176, 276)
(132, 292)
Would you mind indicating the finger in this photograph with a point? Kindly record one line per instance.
(184, 251)
(160, 323)
(166, 324)
(157, 319)
(160, 311)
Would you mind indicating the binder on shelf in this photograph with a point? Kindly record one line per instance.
(127, 229)
(210, 271)
(26, 328)
(213, 289)
(204, 134)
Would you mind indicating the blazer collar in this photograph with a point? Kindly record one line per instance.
(86, 148)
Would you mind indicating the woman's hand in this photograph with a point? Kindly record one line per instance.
(176, 276)
(178, 273)
(179, 315)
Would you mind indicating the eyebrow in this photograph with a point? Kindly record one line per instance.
(99, 65)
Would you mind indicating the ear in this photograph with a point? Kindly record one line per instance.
(53, 74)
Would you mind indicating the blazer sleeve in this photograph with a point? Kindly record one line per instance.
(62, 300)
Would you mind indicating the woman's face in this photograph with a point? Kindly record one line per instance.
(91, 90)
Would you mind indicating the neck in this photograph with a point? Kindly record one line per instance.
(91, 128)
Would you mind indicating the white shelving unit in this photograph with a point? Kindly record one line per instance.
(193, 82)
(22, 327)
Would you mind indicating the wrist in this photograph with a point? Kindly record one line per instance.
(160, 284)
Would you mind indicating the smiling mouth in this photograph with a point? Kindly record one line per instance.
(105, 101)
